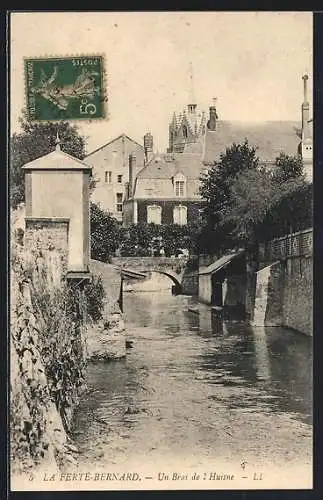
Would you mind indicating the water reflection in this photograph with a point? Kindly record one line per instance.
(188, 372)
(261, 353)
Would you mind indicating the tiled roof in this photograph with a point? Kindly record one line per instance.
(194, 147)
(221, 263)
(114, 140)
(165, 166)
(271, 138)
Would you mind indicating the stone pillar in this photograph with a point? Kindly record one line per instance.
(58, 207)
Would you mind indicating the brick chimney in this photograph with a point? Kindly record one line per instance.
(132, 174)
(211, 124)
(148, 146)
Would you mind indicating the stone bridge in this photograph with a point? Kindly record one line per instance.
(169, 266)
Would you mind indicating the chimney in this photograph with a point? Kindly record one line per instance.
(305, 111)
(132, 174)
(148, 146)
(211, 124)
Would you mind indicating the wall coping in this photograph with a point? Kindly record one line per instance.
(65, 220)
(79, 275)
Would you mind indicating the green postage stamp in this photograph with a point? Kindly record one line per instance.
(65, 88)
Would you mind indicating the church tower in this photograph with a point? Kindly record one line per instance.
(186, 127)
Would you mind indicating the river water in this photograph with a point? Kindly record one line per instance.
(197, 392)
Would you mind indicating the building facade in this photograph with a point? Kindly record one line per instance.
(111, 172)
(164, 191)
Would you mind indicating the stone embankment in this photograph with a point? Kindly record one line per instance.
(41, 397)
(106, 338)
(50, 347)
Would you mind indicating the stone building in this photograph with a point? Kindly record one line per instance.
(164, 189)
(186, 128)
(110, 171)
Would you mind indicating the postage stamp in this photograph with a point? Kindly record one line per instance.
(68, 88)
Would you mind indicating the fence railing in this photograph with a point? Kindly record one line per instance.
(298, 244)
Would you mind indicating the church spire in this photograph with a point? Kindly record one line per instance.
(191, 101)
(57, 142)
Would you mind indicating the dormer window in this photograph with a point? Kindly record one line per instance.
(179, 185)
(179, 188)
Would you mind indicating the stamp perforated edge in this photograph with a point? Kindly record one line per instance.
(104, 83)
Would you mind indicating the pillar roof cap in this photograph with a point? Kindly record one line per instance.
(57, 160)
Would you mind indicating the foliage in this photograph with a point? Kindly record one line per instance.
(246, 202)
(215, 186)
(287, 168)
(48, 353)
(94, 296)
(36, 140)
(215, 189)
(105, 234)
(143, 240)
(293, 210)
(60, 312)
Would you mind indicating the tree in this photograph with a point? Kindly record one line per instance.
(105, 234)
(237, 158)
(287, 168)
(36, 140)
(252, 196)
(247, 203)
(216, 233)
(293, 210)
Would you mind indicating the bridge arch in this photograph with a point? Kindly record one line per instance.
(174, 277)
(138, 267)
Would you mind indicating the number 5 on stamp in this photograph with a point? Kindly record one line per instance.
(65, 88)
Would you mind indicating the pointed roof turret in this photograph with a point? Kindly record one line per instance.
(57, 142)
(174, 121)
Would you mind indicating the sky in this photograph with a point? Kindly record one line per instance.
(252, 62)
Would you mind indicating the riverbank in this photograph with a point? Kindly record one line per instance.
(47, 364)
(198, 395)
(51, 346)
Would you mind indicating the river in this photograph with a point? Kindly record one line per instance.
(197, 392)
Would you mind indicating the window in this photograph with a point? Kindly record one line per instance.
(180, 215)
(119, 178)
(154, 214)
(184, 131)
(108, 176)
(119, 202)
(179, 188)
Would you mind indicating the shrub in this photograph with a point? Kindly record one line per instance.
(105, 234)
(94, 296)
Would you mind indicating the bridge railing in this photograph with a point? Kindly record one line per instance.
(151, 263)
(298, 244)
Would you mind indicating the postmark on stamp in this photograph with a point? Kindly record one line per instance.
(65, 88)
